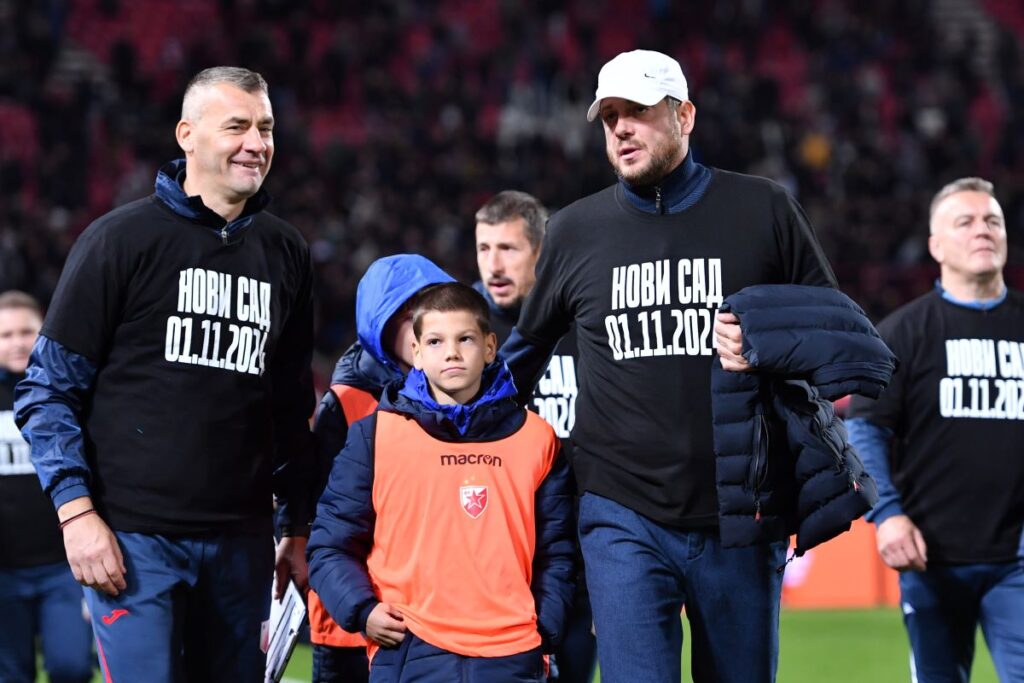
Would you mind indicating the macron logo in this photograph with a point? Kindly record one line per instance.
(109, 619)
(471, 459)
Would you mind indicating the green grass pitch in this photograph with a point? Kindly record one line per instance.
(837, 646)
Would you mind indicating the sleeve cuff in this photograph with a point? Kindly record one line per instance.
(364, 614)
(68, 490)
(883, 511)
(301, 530)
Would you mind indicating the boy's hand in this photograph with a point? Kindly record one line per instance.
(385, 625)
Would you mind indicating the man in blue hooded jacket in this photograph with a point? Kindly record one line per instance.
(167, 402)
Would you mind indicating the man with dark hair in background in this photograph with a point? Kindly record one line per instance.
(168, 398)
(510, 228)
(944, 444)
(640, 269)
(40, 597)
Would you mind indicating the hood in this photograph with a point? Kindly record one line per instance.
(357, 368)
(493, 415)
(388, 283)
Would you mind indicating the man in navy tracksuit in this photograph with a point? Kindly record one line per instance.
(168, 397)
(944, 445)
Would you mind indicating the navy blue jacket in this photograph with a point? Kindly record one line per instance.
(784, 463)
(343, 529)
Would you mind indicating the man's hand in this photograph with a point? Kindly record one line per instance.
(92, 549)
(729, 339)
(385, 625)
(291, 563)
(901, 544)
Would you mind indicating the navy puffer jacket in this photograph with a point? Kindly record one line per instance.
(783, 461)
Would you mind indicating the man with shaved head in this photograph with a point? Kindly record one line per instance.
(944, 444)
(166, 401)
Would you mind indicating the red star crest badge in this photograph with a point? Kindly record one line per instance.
(473, 499)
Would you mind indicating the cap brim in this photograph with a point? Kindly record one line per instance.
(647, 98)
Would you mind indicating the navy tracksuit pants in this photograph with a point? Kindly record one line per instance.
(192, 610)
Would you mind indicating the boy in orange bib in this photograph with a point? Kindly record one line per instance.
(382, 355)
(444, 533)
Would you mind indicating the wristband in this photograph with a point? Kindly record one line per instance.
(72, 518)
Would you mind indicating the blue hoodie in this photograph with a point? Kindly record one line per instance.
(388, 283)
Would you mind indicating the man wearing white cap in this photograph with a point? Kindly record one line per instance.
(641, 268)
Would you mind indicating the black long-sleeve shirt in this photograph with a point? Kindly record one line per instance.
(200, 335)
(643, 289)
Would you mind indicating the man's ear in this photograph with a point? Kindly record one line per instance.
(184, 133)
(687, 117)
(490, 347)
(935, 249)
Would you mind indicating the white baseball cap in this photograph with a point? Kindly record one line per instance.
(641, 76)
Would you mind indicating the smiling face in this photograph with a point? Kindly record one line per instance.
(19, 328)
(452, 352)
(968, 238)
(229, 144)
(644, 144)
(506, 260)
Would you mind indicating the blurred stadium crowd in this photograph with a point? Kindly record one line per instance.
(396, 119)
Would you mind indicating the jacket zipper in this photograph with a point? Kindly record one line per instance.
(657, 199)
(837, 456)
(224, 234)
(758, 479)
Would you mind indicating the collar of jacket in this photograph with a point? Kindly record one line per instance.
(509, 314)
(493, 414)
(976, 304)
(170, 190)
(679, 190)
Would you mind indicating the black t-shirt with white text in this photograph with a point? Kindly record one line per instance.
(643, 290)
(198, 341)
(956, 408)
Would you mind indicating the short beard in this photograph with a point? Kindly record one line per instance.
(662, 162)
(661, 165)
